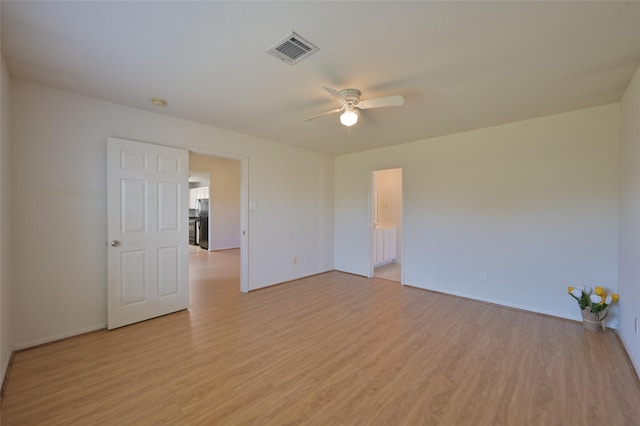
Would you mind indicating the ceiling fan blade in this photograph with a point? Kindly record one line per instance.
(387, 101)
(333, 111)
(334, 93)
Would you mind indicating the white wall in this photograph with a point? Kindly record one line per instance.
(59, 204)
(6, 342)
(533, 203)
(629, 262)
(224, 196)
(389, 184)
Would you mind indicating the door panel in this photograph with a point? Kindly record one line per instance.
(168, 273)
(169, 203)
(147, 194)
(134, 278)
(134, 217)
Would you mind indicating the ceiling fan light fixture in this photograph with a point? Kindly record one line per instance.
(349, 118)
(350, 105)
(159, 102)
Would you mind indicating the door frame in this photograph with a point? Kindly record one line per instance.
(244, 207)
(371, 218)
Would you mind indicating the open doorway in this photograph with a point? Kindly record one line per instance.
(218, 202)
(198, 210)
(386, 253)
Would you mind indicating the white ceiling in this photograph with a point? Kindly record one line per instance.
(459, 65)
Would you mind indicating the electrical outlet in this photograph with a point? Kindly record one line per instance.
(483, 276)
(295, 260)
(636, 326)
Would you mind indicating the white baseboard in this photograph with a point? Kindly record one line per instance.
(48, 339)
(635, 366)
(6, 358)
(612, 323)
(270, 284)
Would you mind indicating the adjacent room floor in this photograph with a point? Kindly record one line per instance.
(389, 272)
(330, 349)
(196, 249)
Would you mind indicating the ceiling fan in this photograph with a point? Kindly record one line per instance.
(350, 103)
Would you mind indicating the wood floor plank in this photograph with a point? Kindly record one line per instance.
(333, 349)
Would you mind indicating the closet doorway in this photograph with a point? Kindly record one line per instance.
(386, 236)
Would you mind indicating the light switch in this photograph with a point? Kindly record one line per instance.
(253, 205)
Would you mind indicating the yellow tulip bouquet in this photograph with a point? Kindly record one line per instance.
(594, 305)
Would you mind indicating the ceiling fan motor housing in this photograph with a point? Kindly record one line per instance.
(350, 95)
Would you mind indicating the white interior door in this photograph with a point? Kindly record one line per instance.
(148, 225)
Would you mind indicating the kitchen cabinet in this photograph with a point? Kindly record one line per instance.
(193, 231)
(197, 193)
(385, 245)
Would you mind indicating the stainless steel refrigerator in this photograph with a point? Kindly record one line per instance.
(203, 214)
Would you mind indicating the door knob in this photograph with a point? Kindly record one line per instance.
(115, 243)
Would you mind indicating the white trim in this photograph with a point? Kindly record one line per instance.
(6, 358)
(626, 348)
(611, 324)
(274, 283)
(371, 219)
(244, 206)
(53, 338)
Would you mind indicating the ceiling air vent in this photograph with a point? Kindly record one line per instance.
(292, 49)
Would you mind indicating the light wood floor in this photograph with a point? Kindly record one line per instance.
(331, 349)
(195, 249)
(391, 272)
